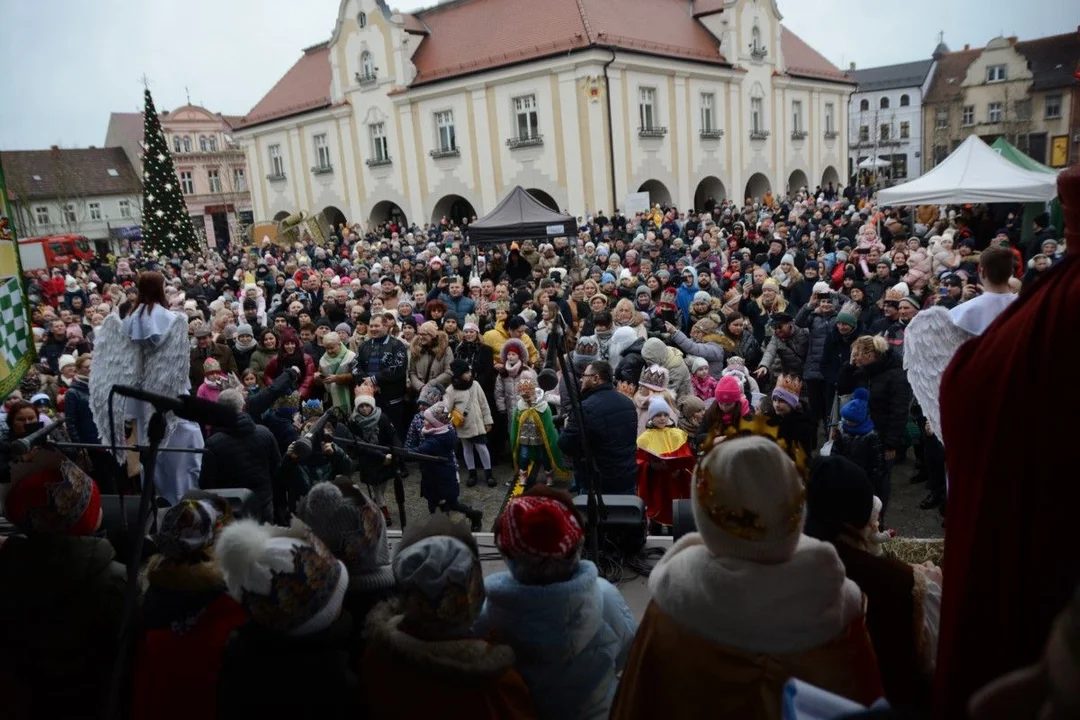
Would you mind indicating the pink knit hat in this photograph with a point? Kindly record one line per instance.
(728, 390)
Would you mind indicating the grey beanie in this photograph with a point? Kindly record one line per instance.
(343, 327)
(244, 329)
(655, 351)
(355, 532)
(643, 290)
(702, 296)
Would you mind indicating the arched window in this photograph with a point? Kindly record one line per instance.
(202, 143)
(176, 143)
(905, 100)
(367, 64)
(864, 105)
(361, 19)
(213, 143)
(884, 103)
(187, 144)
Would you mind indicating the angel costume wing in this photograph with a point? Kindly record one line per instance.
(118, 360)
(930, 342)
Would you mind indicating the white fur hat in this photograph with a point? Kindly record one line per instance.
(822, 288)
(285, 578)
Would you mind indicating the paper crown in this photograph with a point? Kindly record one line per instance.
(654, 377)
(587, 346)
(790, 383)
(761, 426)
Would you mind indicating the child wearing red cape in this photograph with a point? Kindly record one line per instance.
(665, 463)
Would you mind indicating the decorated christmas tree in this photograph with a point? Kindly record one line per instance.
(167, 227)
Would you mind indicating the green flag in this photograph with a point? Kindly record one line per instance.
(16, 338)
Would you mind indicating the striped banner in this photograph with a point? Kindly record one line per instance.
(16, 340)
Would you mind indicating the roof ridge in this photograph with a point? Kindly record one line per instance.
(585, 21)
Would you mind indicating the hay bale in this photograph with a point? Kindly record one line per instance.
(915, 550)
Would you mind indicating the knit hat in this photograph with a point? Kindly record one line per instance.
(343, 327)
(697, 363)
(189, 527)
(607, 278)
(748, 501)
(430, 394)
(707, 326)
(655, 351)
(643, 290)
(702, 296)
(64, 361)
(913, 302)
(788, 388)
(540, 535)
(459, 367)
(856, 413)
(244, 329)
(437, 416)
(49, 494)
(353, 529)
(363, 399)
(429, 328)
(439, 579)
(728, 390)
(849, 314)
(658, 405)
(211, 365)
(839, 494)
(822, 288)
(655, 378)
(787, 258)
(690, 405)
(514, 345)
(285, 578)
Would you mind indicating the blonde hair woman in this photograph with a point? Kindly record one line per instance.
(771, 299)
(626, 316)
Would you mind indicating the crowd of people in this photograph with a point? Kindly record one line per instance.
(747, 357)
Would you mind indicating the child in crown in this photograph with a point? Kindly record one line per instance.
(533, 438)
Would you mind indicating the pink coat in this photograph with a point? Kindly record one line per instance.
(919, 268)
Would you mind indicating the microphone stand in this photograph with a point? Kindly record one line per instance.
(595, 510)
(155, 434)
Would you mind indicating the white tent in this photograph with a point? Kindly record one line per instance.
(974, 173)
(872, 163)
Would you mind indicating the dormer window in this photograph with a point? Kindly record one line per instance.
(757, 48)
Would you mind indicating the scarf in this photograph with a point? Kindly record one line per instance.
(429, 430)
(461, 384)
(246, 346)
(513, 369)
(367, 427)
(340, 394)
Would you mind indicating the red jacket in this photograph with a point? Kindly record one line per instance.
(273, 369)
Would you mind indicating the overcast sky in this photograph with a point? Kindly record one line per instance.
(69, 63)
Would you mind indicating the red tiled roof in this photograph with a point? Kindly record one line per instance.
(413, 25)
(707, 7)
(804, 61)
(305, 87)
(1053, 60)
(468, 36)
(81, 172)
(951, 70)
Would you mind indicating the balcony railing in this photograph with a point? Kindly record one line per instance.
(652, 132)
(712, 134)
(452, 152)
(322, 169)
(799, 134)
(525, 141)
(366, 78)
(759, 134)
(273, 177)
(831, 134)
(759, 53)
(378, 162)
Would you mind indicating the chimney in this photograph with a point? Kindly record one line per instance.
(966, 47)
(92, 148)
(852, 66)
(54, 147)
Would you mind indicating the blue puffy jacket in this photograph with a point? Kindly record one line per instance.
(570, 639)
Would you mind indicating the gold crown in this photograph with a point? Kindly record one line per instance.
(762, 426)
(587, 347)
(791, 383)
(654, 375)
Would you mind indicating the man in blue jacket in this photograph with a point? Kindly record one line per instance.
(456, 299)
(611, 425)
(685, 295)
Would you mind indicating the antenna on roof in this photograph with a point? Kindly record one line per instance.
(188, 94)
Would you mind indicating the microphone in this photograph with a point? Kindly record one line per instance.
(303, 446)
(187, 407)
(23, 445)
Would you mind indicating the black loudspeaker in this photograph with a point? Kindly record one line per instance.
(243, 502)
(112, 525)
(682, 514)
(625, 524)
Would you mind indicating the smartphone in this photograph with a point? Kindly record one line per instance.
(943, 291)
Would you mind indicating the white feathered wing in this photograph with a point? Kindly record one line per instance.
(930, 342)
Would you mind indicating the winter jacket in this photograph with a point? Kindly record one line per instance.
(438, 481)
(496, 337)
(393, 368)
(269, 675)
(244, 456)
(710, 350)
(425, 367)
(819, 328)
(506, 389)
(865, 451)
(370, 462)
(570, 638)
(273, 369)
(60, 617)
(482, 363)
(260, 358)
(403, 677)
(837, 352)
(219, 352)
(611, 422)
(462, 305)
(77, 416)
(890, 395)
(50, 354)
(187, 617)
(787, 356)
(473, 405)
(745, 346)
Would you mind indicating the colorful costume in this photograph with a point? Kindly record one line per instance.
(665, 463)
(533, 438)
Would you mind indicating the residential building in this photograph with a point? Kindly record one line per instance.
(886, 116)
(436, 114)
(210, 166)
(93, 192)
(1024, 90)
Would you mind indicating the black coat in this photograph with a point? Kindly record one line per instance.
(890, 395)
(837, 352)
(481, 360)
(393, 368)
(370, 462)
(244, 456)
(77, 416)
(611, 424)
(867, 452)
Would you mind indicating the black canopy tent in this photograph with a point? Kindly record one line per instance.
(520, 216)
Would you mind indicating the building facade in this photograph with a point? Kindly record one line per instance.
(886, 116)
(433, 114)
(93, 192)
(210, 166)
(1023, 90)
